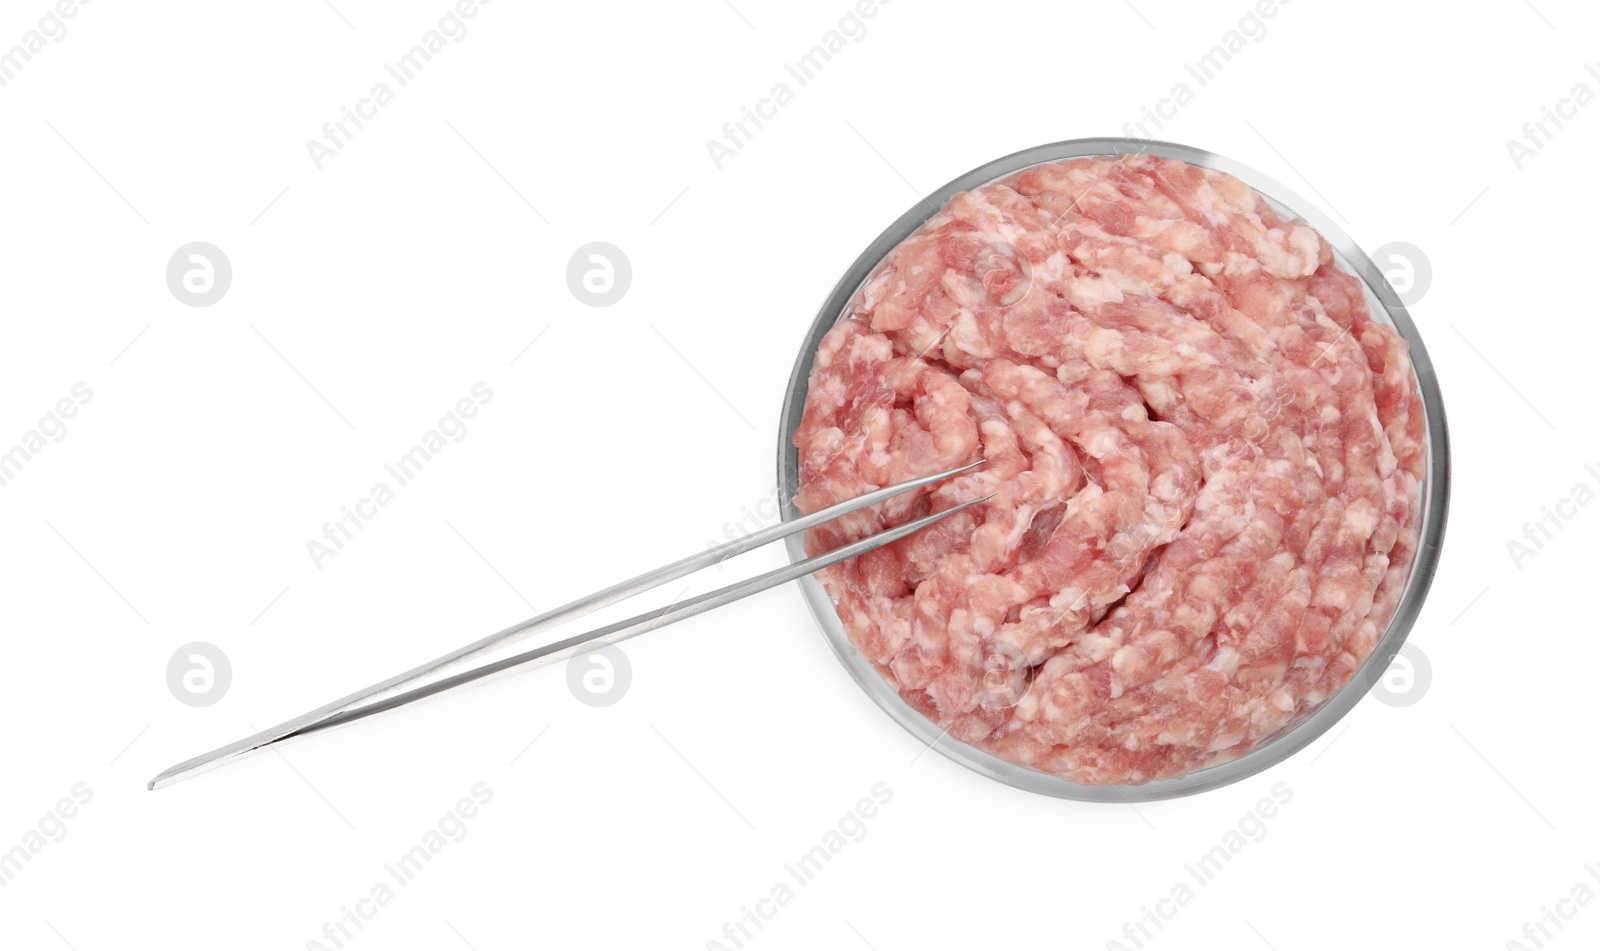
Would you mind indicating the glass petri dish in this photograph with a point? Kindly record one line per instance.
(1433, 497)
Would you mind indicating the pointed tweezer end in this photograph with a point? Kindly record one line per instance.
(165, 778)
(180, 772)
(170, 775)
(188, 768)
(253, 743)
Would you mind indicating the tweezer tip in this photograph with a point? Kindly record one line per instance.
(170, 775)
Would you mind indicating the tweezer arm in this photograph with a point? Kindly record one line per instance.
(566, 648)
(373, 699)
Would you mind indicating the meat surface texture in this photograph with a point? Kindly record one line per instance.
(1204, 452)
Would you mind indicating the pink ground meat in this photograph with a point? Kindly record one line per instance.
(1205, 456)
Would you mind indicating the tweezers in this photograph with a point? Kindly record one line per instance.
(403, 689)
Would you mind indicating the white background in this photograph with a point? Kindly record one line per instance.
(372, 294)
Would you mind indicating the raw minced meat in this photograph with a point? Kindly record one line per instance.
(1205, 457)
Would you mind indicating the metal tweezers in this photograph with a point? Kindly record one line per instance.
(401, 690)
